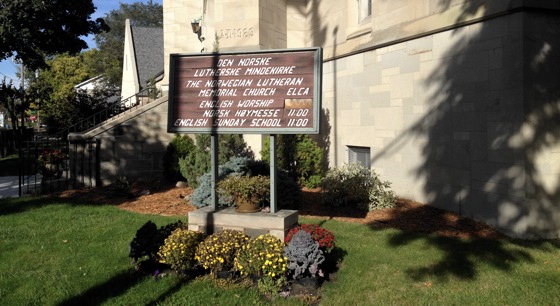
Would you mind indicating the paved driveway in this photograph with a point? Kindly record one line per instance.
(9, 185)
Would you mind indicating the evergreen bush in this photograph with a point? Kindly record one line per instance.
(300, 156)
(198, 163)
(180, 147)
(202, 195)
(289, 193)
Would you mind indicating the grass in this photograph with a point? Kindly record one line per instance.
(10, 166)
(61, 253)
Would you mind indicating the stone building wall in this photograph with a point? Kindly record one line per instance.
(455, 100)
(133, 144)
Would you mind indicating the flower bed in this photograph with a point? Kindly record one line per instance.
(274, 266)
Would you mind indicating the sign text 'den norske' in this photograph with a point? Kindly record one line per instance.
(258, 91)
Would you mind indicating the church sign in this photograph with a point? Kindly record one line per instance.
(262, 92)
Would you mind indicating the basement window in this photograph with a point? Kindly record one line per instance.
(359, 155)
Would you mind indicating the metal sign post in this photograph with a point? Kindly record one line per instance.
(273, 175)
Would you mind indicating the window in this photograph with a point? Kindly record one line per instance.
(359, 155)
(364, 10)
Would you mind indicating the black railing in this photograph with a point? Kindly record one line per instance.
(80, 165)
(143, 97)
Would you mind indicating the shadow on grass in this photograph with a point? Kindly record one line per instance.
(105, 195)
(461, 257)
(125, 280)
(19, 205)
(102, 292)
(465, 244)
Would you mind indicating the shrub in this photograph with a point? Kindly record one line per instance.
(304, 256)
(289, 193)
(261, 256)
(355, 186)
(217, 252)
(179, 249)
(380, 197)
(201, 196)
(346, 186)
(180, 146)
(300, 156)
(149, 239)
(245, 188)
(324, 237)
(198, 162)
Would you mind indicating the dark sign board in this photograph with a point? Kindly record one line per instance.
(262, 92)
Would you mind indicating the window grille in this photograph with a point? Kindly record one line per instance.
(359, 155)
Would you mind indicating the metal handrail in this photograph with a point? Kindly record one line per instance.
(111, 111)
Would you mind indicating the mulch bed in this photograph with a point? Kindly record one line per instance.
(162, 198)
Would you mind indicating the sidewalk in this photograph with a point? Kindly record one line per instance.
(9, 185)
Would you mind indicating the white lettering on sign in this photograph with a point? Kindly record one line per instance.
(217, 92)
(216, 113)
(225, 62)
(259, 91)
(206, 72)
(301, 112)
(254, 61)
(257, 113)
(297, 122)
(216, 104)
(247, 91)
(254, 103)
(280, 82)
(266, 122)
(190, 122)
(191, 83)
(302, 91)
(229, 83)
(228, 122)
(270, 70)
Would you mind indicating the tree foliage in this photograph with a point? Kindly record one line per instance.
(33, 30)
(111, 43)
(197, 162)
(62, 105)
(10, 101)
(300, 156)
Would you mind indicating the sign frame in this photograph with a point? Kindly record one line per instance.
(174, 91)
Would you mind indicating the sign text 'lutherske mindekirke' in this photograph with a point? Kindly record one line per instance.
(265, 92)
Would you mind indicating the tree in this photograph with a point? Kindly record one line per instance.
(10, 100)
(33, 30)
(63, 105)
(111, 43)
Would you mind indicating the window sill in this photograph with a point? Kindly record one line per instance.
(359, 32)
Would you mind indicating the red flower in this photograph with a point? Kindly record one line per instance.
(324, 237)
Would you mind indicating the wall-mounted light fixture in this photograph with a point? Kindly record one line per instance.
(197, 28)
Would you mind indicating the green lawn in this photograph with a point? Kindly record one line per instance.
(61, 253)
(10, 165)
